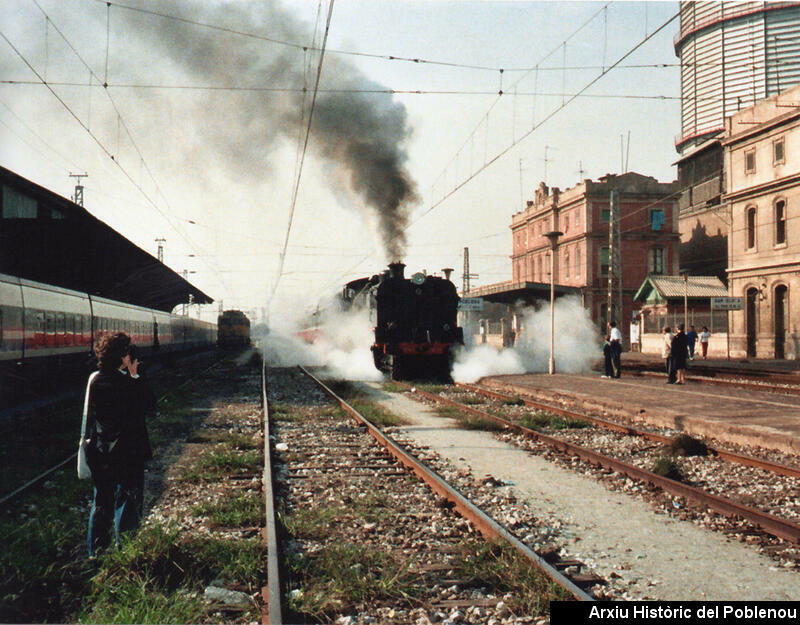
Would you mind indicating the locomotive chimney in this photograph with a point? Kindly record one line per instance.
(447, 271)
(396, 270)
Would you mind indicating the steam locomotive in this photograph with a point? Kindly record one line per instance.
(416, 327)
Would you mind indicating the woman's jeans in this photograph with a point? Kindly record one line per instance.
(118, 498)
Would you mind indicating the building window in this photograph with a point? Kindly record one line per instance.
(778, 152)
(655, 261)
(656, 218)
(780, 222)
(566, 264)
(750, 161)
(539, 274)
(750, 227)
(577, 262)
(18, 206)
(605, 254)
(605, 215)
(566, 223)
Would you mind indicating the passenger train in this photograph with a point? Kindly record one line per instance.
(48, 331)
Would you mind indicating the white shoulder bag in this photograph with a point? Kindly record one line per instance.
(84, 472)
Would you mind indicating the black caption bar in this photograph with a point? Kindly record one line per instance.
(674, 612)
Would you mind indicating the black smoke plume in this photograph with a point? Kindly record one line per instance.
(360, 134)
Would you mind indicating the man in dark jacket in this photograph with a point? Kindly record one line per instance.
(119, 400)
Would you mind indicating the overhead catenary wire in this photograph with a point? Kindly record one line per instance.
(296, 190)
(120, 121)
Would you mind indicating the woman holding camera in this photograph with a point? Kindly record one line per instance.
(119, 400)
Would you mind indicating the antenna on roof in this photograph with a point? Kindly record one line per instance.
(78, 197)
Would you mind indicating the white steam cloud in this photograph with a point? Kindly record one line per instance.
(341, 346)
(577, 345)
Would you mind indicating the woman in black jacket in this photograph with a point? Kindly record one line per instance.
(119, 400)
(680, 354)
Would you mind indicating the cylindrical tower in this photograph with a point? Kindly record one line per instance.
(732, 55)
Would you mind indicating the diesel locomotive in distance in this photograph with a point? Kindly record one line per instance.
(47, 332)
(416, 326)
(233, 329)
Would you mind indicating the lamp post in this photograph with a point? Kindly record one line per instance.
(685, 273)
(553, 238)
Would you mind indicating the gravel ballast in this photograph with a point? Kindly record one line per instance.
(646, 554)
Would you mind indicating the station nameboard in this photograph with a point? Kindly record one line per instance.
(727, 303)
(470, 304)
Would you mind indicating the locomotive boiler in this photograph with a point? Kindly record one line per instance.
(416, 326)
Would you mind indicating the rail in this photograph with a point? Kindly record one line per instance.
(485, 524)
(272, 592)
(776, 526)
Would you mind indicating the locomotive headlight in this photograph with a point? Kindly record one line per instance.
(418, 278)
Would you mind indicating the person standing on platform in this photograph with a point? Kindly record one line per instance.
(691, 337)
(608, 370)
(666, 353)
(705, 335)
(680, 354)
(119, 400)
(616, 348)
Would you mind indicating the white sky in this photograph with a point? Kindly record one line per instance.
(237, 189)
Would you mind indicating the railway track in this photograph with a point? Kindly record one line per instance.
(325, 463)
(779, 527)
(785, 383)
(607, 424)
(63, 419)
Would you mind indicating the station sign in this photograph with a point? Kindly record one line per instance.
(470, 304)
(727, 303)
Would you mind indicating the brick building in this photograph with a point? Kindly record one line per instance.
(649, 238)
(762, 161)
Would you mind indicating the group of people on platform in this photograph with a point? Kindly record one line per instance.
(677, 351)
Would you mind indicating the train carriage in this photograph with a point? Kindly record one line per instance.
(47, 332)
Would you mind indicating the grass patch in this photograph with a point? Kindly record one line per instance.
(669, 467)
(472, 400)
(515, 400)
(157, 577)
(505, 570)
(43, 569)
(548, 421)
(365, 404)
(244, 510)
(435, 388)
(468, 421)
(342, 576)
(393, 387)
(218, 462)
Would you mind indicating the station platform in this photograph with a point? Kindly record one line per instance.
(741, 416)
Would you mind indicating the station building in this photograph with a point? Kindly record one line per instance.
(732, 55)
(649, 242)
(762, 160)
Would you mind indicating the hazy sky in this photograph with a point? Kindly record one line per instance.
(205, 118)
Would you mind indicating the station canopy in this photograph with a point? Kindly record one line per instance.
(526, 292)
(48, 238)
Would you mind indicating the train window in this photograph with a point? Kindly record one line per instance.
(61, 323)
(50, 320)
(2, 345)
